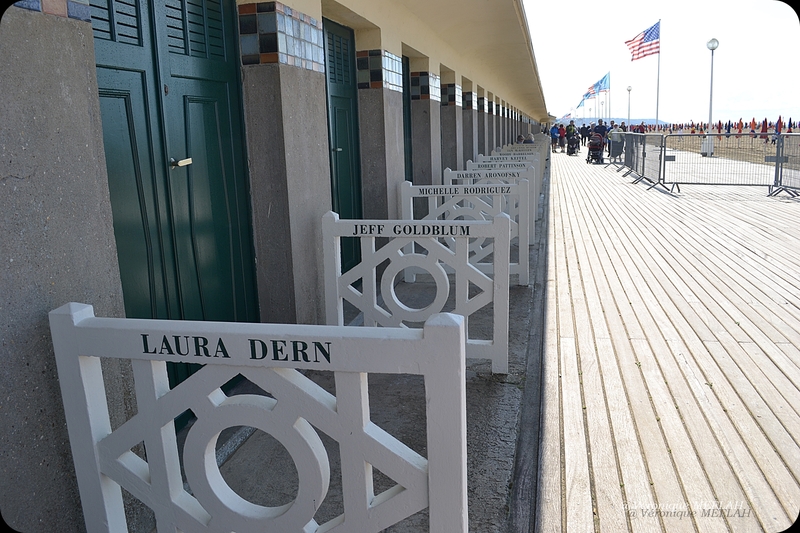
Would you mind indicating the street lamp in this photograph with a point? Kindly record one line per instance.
(712, 45)
(629, 105)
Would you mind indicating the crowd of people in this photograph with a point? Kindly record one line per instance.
(612, 136)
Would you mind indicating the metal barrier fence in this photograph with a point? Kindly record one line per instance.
(787, 174)
(643, 155)
(765, 160)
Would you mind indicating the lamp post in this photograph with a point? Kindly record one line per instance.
(712, 45)
(602, 110)
(629, 105)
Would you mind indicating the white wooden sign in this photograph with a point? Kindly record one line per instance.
(429, 246)
(540, 147)
(527, 156)
(477, 202)
(515, 166)
(270, 355)
(515, 148)
(505, 165)
(501, 175)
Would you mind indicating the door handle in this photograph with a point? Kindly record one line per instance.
(337, 149)
(182, 163)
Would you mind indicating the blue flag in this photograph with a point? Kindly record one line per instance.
(604, 84)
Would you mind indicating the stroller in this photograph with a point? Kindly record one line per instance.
(573, 145)
(595, 145)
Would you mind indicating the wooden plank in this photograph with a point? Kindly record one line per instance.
(606, 484)
(578, 502)
(747, 277)
(674, 435)
(791, 483)
(676, 314)
(661, 475)
(714, 312)
(609, 409)
(549, 508)
(713, 462)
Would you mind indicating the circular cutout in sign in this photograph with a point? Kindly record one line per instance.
(295, 434)
(425, 262)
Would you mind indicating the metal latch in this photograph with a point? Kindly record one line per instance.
(182, 163)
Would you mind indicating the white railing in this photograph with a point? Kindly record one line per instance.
(502, 175)
(512, 164)
(541, 147)
(524, 156)
(271, 356)
(494, 165)
(532, 158)
(509, 148)
(476, 202)
(421, 246)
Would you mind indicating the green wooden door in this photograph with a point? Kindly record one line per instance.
(340, 68)
(169, 93)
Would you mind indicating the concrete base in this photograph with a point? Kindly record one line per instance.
(57, 246)
(289, 194)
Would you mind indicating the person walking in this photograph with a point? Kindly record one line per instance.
(600, 128)
(554, 137)
(572, 133)
(562, 137)
(610, 127)
(616, 142)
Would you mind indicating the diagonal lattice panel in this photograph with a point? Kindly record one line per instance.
(482, 199)
(503, 172)
(381, 269)
(292, 410)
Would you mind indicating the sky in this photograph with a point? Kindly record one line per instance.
(756, 71)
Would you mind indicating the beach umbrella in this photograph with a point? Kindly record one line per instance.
(778, 125)
(764, 128)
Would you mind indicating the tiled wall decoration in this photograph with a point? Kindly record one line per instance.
(451, 94)
(74, 9)
(425, 86)
(270, 32)
(379, 69)
(470, 100)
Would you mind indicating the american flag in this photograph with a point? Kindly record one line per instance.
(646, 43)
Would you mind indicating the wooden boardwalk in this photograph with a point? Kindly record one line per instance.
(671, 357)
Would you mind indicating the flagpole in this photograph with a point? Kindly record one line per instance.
(658, 76)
